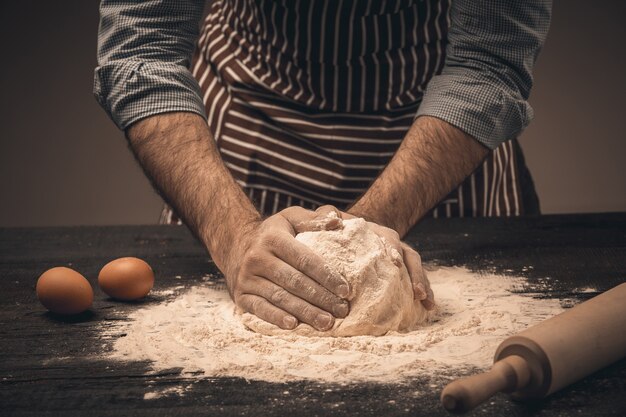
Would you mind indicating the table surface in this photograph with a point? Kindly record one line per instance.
(570, 251)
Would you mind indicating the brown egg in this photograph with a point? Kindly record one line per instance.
(64, 291)
(126, 279)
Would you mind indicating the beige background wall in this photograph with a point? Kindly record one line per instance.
(576, 146)
(62, 162)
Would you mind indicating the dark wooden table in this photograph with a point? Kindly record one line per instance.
(571, 251)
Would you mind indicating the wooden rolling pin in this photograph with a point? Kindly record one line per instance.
(550, 355)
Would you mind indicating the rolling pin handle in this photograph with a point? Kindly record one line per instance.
(507, 375)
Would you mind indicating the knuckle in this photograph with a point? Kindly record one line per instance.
(327, 301)
(252, 256)
(413, 255)
(325, 208)
(392, 234)
(295, 214)
(279, 297)
(237, 293)
(265, 236)
(310, 293)
(270, 240)
(292, 279)
(287, 278)
(331, 276)
(290, 211)
(256, 305)
(243, 302)
(304, 262)
(309, 313)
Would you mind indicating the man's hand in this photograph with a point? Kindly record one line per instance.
(282, 281)
(434, 157)
(413, 262)
(269, 272)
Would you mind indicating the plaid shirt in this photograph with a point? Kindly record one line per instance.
(145, 48)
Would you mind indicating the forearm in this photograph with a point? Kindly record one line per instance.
(433, 158)
(179, 156)
(268, 272)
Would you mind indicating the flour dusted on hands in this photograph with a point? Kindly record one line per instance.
(382, 295)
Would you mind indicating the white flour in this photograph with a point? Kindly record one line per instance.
(199, 332)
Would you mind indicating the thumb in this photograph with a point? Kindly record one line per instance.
(302, 220)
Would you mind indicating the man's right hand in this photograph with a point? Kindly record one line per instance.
(282, 281)
(269, 273)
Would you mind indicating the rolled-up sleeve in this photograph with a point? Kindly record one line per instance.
(484, 86)
(144, 56)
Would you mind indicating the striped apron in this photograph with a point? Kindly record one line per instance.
(309, 99)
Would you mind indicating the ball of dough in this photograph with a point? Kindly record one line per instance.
(382, 294)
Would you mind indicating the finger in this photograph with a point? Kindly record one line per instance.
(300, 285)
(264, 310)
(302, 220)
(429, 302)
(302, 258)
(328, 216)
(421, 285)
(413, 264)
(299, 308)
(392, 240)
(347, 216)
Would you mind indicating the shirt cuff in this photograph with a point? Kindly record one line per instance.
(132, 90)
(479, 107)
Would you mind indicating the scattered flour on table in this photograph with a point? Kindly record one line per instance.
(381, 298)
(585, 290)
(178, 391)
(200, 332)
